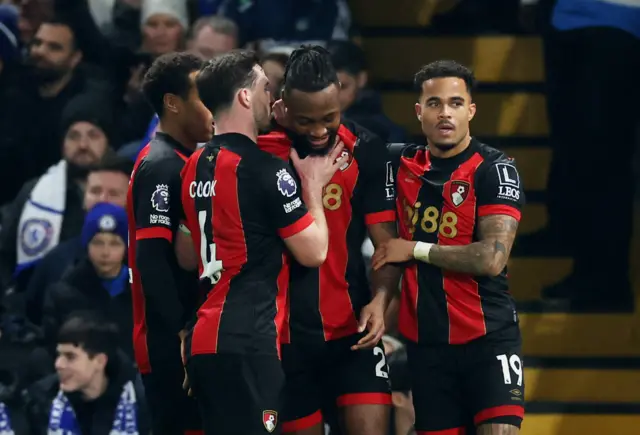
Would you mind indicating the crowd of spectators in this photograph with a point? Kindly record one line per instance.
(73, 120)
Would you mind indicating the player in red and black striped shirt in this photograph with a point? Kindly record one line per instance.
(460, 203)
(243, 210)
(336, 318)
(164, 296)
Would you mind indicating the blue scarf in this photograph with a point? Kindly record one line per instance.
(62, 419)
(117, 285)
(5, 422)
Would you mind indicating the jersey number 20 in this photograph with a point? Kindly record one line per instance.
(212, 267)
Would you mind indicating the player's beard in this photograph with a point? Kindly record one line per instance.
(262, 117)
(303, 146)
(77, 172)
(44, 75)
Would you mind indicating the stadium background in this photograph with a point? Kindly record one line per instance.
(582, 368)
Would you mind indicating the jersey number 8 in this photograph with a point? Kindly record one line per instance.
(332, 198)
(211, 268)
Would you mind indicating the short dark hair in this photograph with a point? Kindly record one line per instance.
(62, 19)
(309, 69)
(220, 78)
(169, 74)
(347, 56)
(90, 331)
(114, 163)
(444, 68)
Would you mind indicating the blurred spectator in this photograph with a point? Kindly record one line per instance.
(32, 14)
(164, 26)
(49, 209)
(99, 282)
(270, 23)
(11, 147)
(95, 390)
(12, 419)
(359, 103)
(9, 38)
(107, 182)
(211, 36)
(52, 78)
(274, 65)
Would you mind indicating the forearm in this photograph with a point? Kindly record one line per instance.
(487, 257)
(158, 283)
(480, 258)
(386, 279)
(385, 282)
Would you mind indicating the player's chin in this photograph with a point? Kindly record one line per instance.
(69, 385)
(264, 126)
(444, 145)
(204, 135)
(318, 148)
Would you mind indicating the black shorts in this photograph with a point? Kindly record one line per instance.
(461, 386)
(237, 394)
(172, 410)
(331, 371)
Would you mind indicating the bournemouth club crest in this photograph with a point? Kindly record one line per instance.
(270, 420)
(459, 192)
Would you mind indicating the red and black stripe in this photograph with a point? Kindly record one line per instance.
(438, 305)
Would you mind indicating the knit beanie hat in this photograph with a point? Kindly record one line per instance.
(105, 218)
(9, 34)
(89, 108)
(174, 8)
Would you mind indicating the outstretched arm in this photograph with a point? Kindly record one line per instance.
(385, 279)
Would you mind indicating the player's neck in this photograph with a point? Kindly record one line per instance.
(227, 123)
(447, 154)
(177, 134)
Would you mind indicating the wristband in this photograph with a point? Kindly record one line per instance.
(421, 251)
(183, 228)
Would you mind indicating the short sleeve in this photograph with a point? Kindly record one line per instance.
(499, 190)
(378, 182)
(282, 193)
(157, 199)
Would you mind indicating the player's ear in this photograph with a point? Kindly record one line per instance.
(244, 98)
(171, 102)
(472, 111)
(101, 360)
(280, 113)
(362, 79)
(419, 111)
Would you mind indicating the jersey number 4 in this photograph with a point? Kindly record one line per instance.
(211, 267)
